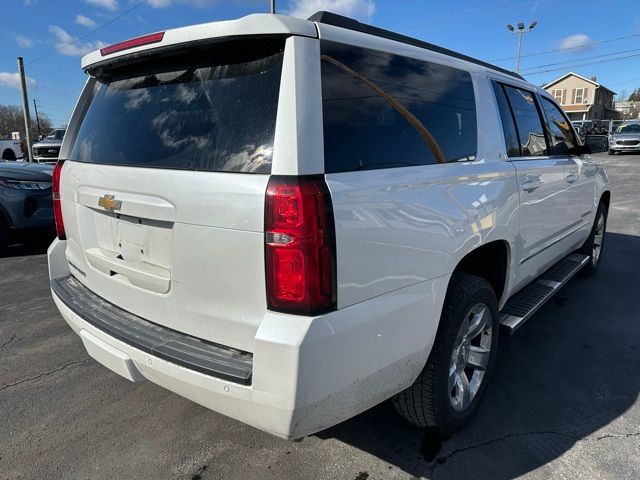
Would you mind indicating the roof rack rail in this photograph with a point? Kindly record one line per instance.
(336, 20)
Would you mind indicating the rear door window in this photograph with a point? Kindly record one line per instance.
(382, 110)
(530, 130)
(210, 109)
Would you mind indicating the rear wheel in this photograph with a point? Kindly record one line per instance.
(595, 243)
(449, 389)
(8, 155)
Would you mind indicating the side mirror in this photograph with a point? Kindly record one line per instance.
(596, 143)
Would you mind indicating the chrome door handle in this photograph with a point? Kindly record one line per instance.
(531, 185)
(571, 178)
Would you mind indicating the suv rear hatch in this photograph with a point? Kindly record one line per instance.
(163, 197)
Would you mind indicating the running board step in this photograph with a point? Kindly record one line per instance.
(528, 301)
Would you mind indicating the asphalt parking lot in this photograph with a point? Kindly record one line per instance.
(563, 402)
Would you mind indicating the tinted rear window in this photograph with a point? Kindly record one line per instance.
(382, 110)
(208, 109)
(510, 134)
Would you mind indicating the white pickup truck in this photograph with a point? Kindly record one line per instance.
(290, 221)
(11, 149)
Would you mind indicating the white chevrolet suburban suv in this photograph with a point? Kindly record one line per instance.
(290, 221)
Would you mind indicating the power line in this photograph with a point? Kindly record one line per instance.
(47, 108)
(494, 6)
(54, 113)
(47, 102)
(449, 15)
(89, 33)
(584, 58)
(52, 72)
(584, 64)
(626, 81)
(569, 48)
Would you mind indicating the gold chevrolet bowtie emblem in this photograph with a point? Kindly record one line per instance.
(109, 203)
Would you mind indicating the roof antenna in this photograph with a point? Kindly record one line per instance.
(273, 6)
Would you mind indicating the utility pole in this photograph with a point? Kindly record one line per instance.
(35, 107)
(25, 109)
(521, 30)
(273, 6)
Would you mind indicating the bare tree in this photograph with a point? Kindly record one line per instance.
(11, 120)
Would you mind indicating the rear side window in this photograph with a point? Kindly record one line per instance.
(562, 139)
(210, 109)
(382, 110)
(529, 125)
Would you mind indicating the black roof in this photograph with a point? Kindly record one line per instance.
(336, 20)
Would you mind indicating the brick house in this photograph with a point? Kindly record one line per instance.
(582, 98)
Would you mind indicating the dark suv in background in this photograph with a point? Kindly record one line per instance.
(26, 206)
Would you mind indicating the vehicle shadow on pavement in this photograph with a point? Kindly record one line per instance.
(560, 380)
(36, 247)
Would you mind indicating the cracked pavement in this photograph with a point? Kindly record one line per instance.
(563, 402)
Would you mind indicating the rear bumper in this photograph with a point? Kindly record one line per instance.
(195, 354)
(307, 373)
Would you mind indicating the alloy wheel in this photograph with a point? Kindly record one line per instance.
(470, 356)
(598, 238)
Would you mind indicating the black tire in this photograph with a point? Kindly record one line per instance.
(588, 249)
(428, 402)
(8, 155)
(612, 152)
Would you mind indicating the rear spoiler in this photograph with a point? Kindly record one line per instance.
(260, 24)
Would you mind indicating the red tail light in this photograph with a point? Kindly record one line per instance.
(22, 147)
(57, 208)
(134, 42)
(300, 246)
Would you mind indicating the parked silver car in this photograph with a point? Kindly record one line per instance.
(625, 138)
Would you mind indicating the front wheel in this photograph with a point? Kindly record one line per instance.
(612, 152)
(449, 389)
(594, 245)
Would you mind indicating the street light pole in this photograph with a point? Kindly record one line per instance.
(273, 6)
(521, 30)
(519, 50)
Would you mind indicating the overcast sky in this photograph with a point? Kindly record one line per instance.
(577, 31)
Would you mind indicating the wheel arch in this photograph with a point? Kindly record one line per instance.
(8, 154)
(490, 261)
(606, 198)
